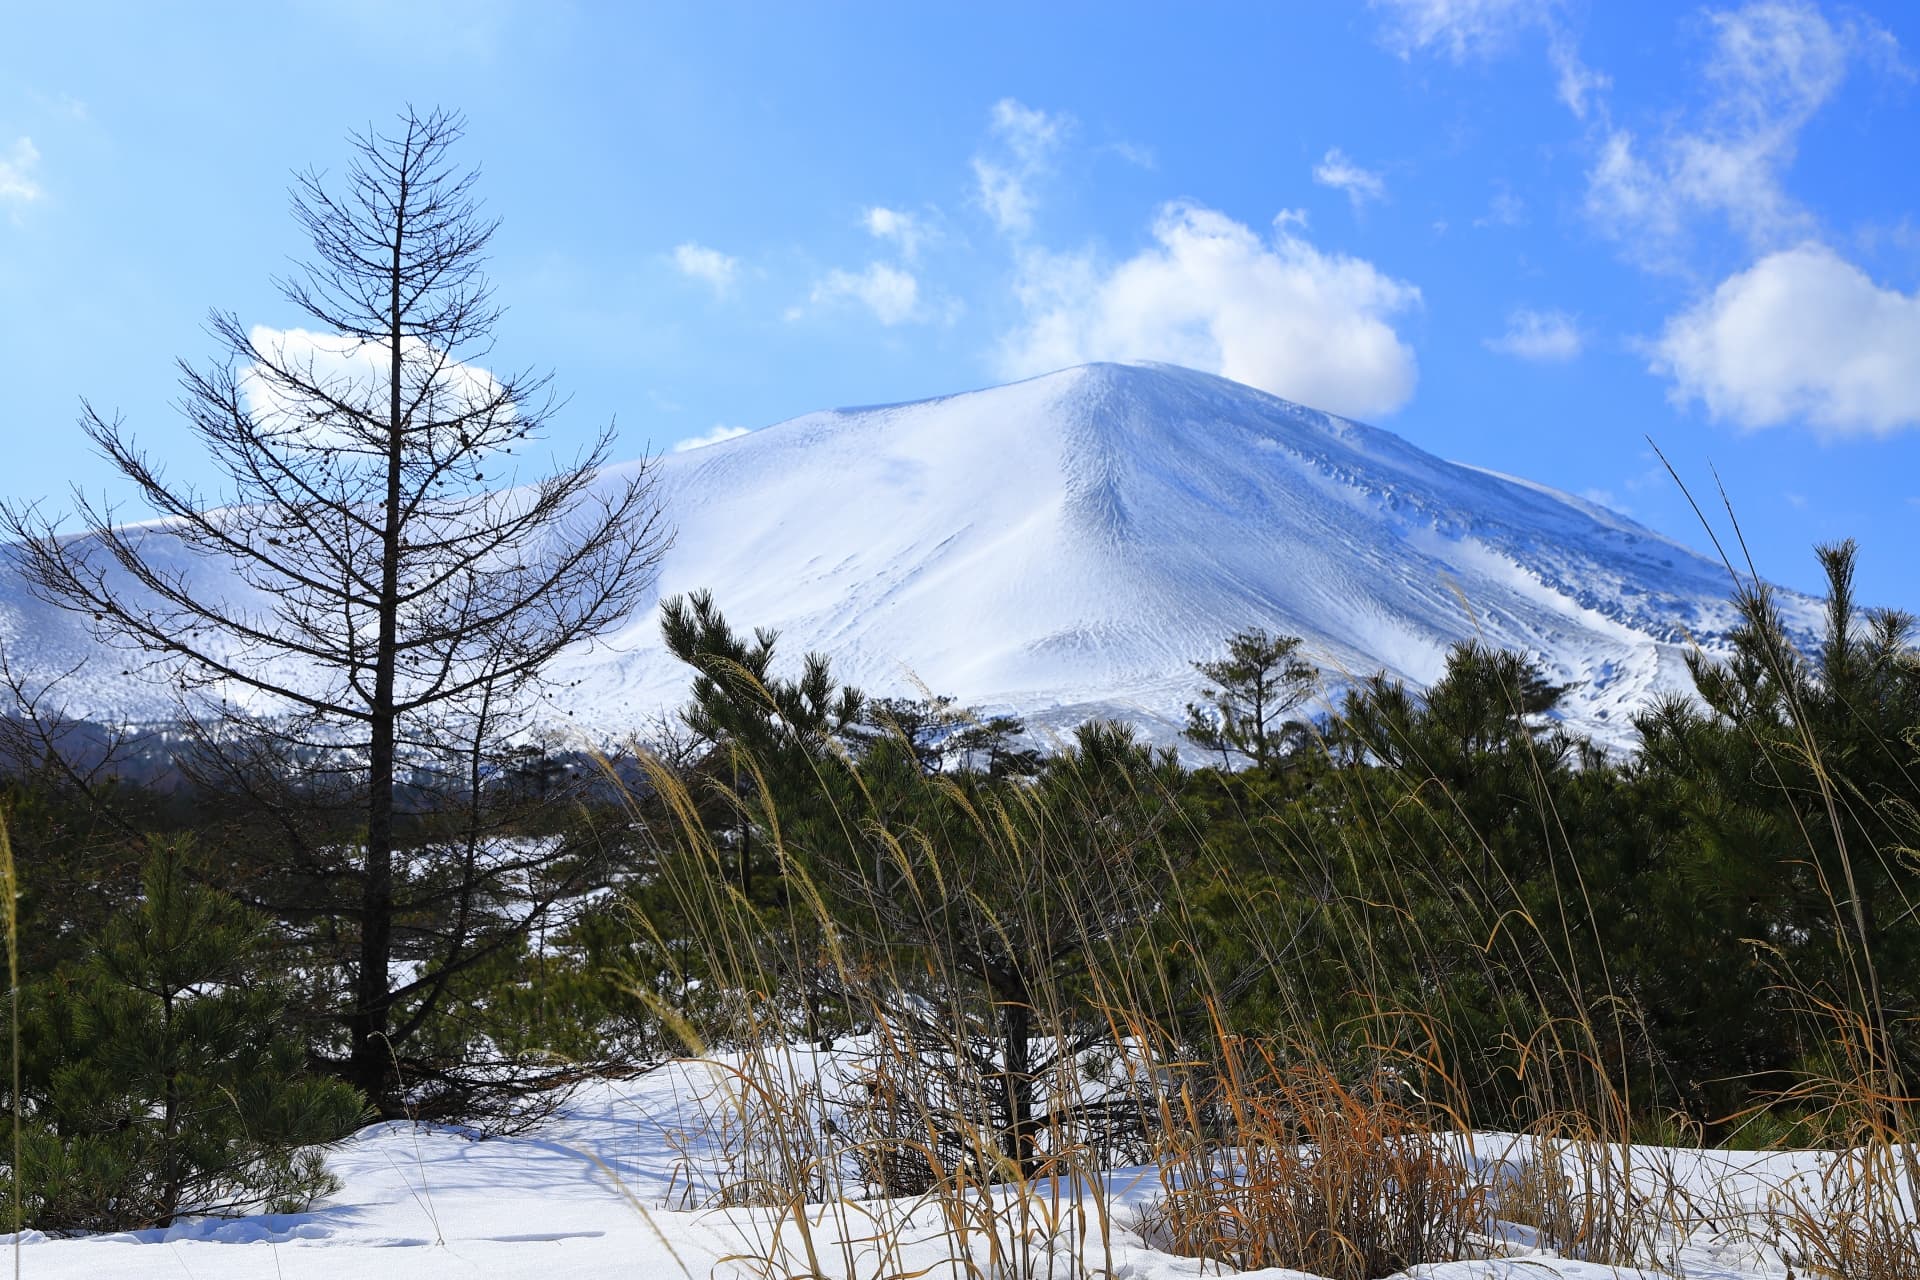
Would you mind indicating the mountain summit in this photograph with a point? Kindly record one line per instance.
(1067, 546)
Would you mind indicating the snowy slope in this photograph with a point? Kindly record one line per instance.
(599, 1191)
(1068, 545)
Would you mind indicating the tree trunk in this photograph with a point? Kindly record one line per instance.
(1019, 1142)
(170, 1181)
(372, 1063)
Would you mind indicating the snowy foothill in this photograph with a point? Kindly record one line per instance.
(619, 1182)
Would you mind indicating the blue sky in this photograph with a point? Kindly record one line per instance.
(1525, 234)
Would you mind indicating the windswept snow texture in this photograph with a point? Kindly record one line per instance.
(1067, 546)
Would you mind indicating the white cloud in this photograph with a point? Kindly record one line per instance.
(892, 294)
(1337, 171)
(1031, 134)
(1605, 498)
(1576, 82)
(1461, 29)
(355, 374)
(1542, 336)
(1802, 334)
(1004, 195)
(1776, 59)
(1468, 29)
(17, 163)
(902, 229)
(716, 269)
(721, 431)
(1772, 66)
(1212, 294)
(1028, 139)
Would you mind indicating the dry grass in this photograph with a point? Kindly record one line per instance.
(1307, 1172)
(891, 1147)
(1334, 1144)
(922, 1135)
(1857, 1219)
(1859, 1225)
(10, 918)
(1580, 1195)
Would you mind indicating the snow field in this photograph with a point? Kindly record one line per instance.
(610, 1184)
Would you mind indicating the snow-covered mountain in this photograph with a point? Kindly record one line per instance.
(1067, 546)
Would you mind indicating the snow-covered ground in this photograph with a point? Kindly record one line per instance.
(1067, 546)
(597, 1190)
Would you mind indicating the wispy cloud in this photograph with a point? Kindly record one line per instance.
(17, 183)
(60, 103)
(1466, 30)
(1026, 140)
(891, 293)
(1541, 336)
(1772, 65)
(1579, 86)
(1605, 498)
(1342, 174)
(1505, 209)
(1458, 29)
(710, 266)
(905, 231)
(720, 432)
(1212, 294)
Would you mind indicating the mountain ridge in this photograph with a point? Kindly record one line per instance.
(1069, 544)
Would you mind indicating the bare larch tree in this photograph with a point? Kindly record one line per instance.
(377, 588)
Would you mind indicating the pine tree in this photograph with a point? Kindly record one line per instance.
(754, 722)
(1261, 680)
(1799, 782)
(927, 727)
(1489, 704)
(162, 1077)
(992, 741)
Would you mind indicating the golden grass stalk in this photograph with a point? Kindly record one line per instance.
(10, 916)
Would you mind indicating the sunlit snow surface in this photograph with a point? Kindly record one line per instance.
(1067, 546)
(596, 1192)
